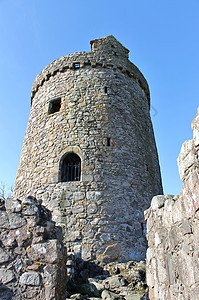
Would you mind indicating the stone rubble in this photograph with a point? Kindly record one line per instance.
(32, 257)
(111, 281)
(173, 231)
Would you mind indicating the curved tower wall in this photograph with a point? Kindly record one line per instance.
(104, 119)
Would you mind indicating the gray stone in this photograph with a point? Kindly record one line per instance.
(86, 254)
(6, 276)
(157, 202)
(113, 283)
(77, 208)
(30, 210)
(92, 208)
(4, 257)
(186, 226)
(107, 295)
(186, 158)
(49, 252)
(4, 222)
(76, 297)
(16, 221)
(13, 205)
(30, 278)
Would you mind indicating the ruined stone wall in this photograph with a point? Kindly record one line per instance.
(106, 97)
(173, 231)
(32, 257)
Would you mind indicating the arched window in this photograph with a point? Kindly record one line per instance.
(71, 168)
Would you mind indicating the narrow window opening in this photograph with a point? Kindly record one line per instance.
(108, 142)
(54, 106)
(76, 66)
(142, 227)
(71, 168)
(115, 53)
(105, 89)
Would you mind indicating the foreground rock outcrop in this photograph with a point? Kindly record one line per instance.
(32, 257)
(173, 231)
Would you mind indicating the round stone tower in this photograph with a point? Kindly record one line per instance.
(89, 151)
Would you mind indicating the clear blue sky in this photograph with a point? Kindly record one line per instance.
(163, 39)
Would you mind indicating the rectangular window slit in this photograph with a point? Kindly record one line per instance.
(108, 141)
(76, 66)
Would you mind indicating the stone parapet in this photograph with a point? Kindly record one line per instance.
(173, 230)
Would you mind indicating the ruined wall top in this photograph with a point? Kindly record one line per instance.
(173, 229)
(109, 44)
(105, 52)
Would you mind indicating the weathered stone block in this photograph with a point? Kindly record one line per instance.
(4, 222)
(16, 221)
(107, 295)
(4, 257)
(13, 205)
(186, 269)
(49, 252)
(30, 278)
(186, 158)
(6, 276)
(78, 208)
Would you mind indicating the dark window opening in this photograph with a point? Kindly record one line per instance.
(115, 53)
(105, 89)
(142, 227)
(54, 106)
(76, 66)
(71, 168)
(108, 142)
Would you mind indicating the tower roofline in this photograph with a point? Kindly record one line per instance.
(106, 52)
(110, 39)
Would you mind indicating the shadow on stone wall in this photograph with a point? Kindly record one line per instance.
(32, 256)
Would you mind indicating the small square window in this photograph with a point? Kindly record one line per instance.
(76, 65)
(54, 106)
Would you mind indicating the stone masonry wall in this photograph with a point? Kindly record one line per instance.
(173, 231)
(32, 258)
(106, 97)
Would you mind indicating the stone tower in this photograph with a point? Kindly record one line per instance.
(89, 151)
